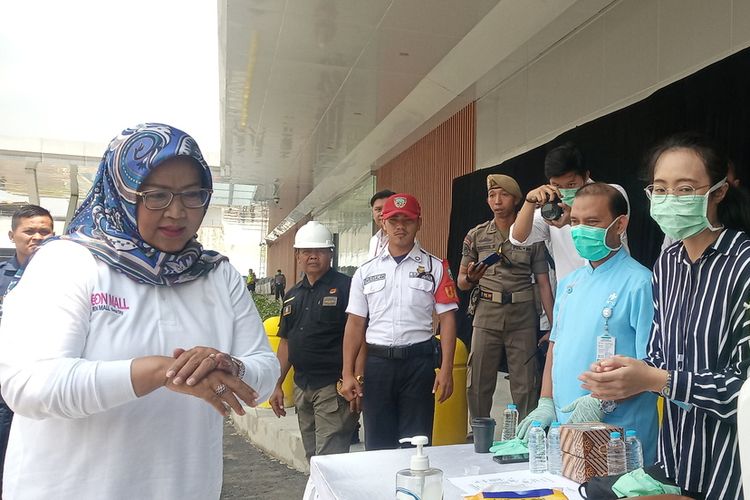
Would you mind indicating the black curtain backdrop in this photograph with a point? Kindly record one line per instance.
(715, 100)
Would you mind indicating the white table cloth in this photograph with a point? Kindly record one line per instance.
(372, 474)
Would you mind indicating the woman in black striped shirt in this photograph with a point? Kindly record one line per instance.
(699, 351)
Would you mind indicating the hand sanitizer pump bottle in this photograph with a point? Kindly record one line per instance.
(419, 481)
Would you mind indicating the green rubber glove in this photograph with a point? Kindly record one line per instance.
(513, 447)
(544, 413)
(585, 409)
(637, 483)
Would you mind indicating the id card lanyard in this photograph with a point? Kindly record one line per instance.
(605, 343)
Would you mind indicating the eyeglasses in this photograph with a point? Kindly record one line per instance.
(159, 199)
(683, 194)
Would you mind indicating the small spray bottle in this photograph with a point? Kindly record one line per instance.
(419, 481)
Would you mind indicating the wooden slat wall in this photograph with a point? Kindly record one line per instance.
(281, 255)
(427, 169)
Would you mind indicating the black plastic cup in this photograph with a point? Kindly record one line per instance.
(484, 433)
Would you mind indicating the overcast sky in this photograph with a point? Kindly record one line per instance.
(82, 70)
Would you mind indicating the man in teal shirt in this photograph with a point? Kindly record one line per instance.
(611, 293)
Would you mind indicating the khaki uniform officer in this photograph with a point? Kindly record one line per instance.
(505, 319)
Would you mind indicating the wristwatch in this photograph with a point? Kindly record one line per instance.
(239, 365)
(359, 378)
(666, 391)
(608, 406)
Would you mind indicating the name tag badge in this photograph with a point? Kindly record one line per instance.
(330, 301)
(287, 310)
(374, 278)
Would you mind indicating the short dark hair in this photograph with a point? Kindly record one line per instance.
(564, 159)
(27, 212)
(385, 193)
(618, 205)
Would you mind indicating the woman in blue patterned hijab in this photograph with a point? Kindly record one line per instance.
(106, 223)
(126, 343)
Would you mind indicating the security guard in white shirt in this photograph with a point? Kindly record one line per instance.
(399, 290)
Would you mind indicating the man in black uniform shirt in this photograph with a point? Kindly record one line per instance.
(313, 317)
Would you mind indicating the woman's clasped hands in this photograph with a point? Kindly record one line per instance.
(213, 376)
(621, 377)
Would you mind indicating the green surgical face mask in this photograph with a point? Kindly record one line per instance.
(568, 195)
(681, 219)
(591, 242)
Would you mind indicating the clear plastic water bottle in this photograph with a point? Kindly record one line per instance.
(537, 448)
(633, 451)
(615, 455)
(510, 422)
(554, 455)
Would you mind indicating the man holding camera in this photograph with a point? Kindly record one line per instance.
(545, 214)
(505, 314)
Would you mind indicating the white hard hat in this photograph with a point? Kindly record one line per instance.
(313, 235)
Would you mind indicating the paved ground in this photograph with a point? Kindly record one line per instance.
(250, 474)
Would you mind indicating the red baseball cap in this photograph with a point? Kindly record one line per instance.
(401, 204)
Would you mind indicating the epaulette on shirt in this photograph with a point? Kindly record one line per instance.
(483, 225)
(371, 259)
(473, 231)
(479, 227)
(438, 259)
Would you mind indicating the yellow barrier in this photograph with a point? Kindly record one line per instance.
(451, 416)
(271, 326)
(660, 408)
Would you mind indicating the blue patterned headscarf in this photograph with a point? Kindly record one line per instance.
(106, 221)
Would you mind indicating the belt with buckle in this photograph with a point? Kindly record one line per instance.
(401, 351)
(506, 297)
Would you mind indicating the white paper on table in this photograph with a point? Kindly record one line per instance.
(516, 481)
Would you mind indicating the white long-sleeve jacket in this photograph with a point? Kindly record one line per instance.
(70, 330)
